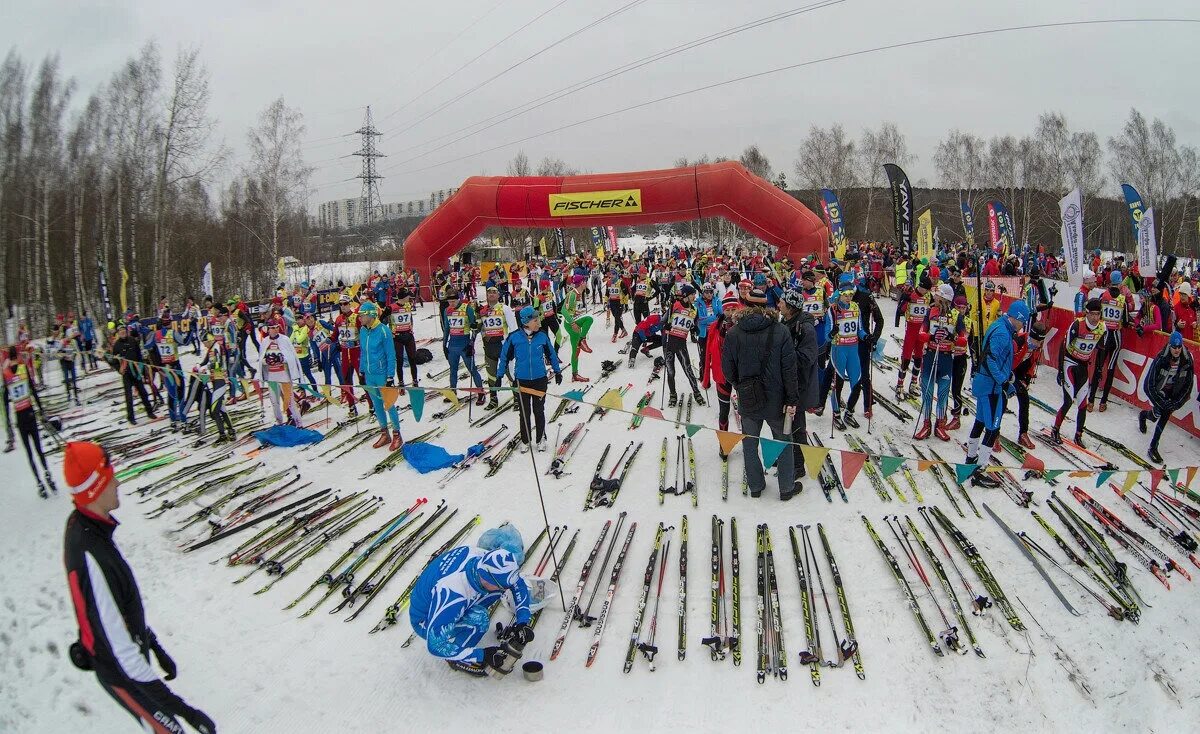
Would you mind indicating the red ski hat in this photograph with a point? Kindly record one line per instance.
(87, 471)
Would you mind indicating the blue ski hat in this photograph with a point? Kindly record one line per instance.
(1176, 339)
(1018, 310)
(499, 568)
(505, 537)
(845, 282)
(1115, 277)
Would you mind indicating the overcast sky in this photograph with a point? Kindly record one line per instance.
(331, 59)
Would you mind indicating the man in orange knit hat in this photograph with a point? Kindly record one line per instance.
(114, 640)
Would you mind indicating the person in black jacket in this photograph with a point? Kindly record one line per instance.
(128, 352)
(759, 348)
(804, 339)
(872, 323)
(1168, 385)
(114, 639)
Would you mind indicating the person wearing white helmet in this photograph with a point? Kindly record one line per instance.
(1085, 290)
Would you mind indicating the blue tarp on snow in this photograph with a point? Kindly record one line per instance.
(427, 457)
(287, 436)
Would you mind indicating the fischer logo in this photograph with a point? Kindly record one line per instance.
(595, 202)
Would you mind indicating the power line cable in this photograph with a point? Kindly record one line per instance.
(602, 19)
(571, 89)
(803, 64)
(483, 53)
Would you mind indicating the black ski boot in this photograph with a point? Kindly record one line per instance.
(1142, 421)
(698, 397)
(796, 488)
(1055, 437)
(673, 401)
(9, 445)
(493, 403)
(1154, 456)
(983, 479)
(50, 481)
(849, 419)
(1079, 440)
(838, 423)
(41, 489)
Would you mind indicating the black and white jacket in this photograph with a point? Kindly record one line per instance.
(108, 605)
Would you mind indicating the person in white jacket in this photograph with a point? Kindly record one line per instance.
(279, 366)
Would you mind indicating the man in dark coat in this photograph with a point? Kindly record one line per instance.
(759, 348)
(1168, 384)
(804, 339)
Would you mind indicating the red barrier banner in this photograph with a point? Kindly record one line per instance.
(1136, 355)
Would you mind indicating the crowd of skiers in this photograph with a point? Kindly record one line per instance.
(309, 350)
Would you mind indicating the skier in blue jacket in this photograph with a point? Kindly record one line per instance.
(529, 348)
(450, 601)
(377, 361)
(991, 386)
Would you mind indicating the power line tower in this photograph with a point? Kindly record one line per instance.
(371, 203)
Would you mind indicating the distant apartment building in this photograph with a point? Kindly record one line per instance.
(350, 213)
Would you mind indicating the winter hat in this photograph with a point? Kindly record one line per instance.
(368, 309)
(945, 291)
(87, 470)
(729, 299)
(1176, 339)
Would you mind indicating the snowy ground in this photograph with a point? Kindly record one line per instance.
(255, 668)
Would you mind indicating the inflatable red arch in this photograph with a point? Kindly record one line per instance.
(644, 197)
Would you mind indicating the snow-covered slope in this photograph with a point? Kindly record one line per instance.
(255, 668)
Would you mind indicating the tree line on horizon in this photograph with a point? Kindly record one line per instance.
(130, 179)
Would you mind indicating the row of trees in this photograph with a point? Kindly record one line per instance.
(126, 180)
(1028, 173)
(130, 181)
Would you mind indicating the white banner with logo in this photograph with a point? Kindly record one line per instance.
(1147, 244)
(1071, 208)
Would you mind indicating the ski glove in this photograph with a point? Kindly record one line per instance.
(557, 378)
(390, 382)
(164, 660)
(520, 634)
(199, 721)
(494, 657)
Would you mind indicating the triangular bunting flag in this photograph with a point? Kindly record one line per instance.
(1052, 474)
(852, 462)
(650, 412)
(531, 391)
(1080, 474)
(1103, 477)
(814, 457)
(692, 429)
(611, 400)
(728, 441)
(326, 391)
(771, 451)
(575, 395)
(1155, 477)
(1174, 475)
(890, 465)
(1033, 462)
(416, 398)
(1131, 478)
(963, 472)
(925, 465)
(1191, 474)
(449, 395)
(389, 395)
